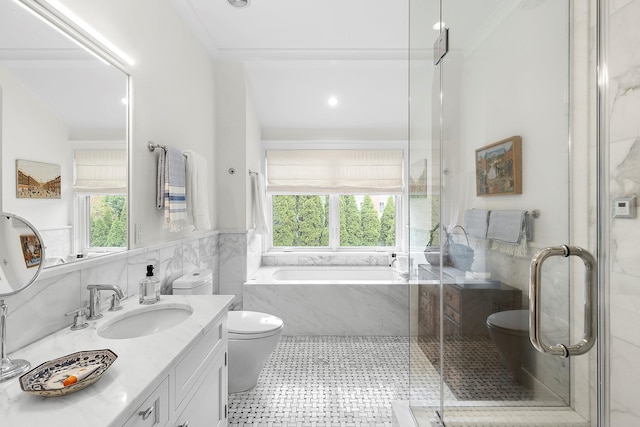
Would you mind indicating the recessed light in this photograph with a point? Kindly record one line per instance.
(333, 101)
(239, 3)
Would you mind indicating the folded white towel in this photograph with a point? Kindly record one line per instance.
(259, 207)
(506, 226)
(508, 232)
(197, 191)
(476, 223)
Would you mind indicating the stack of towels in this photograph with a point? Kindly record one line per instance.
(508, 230)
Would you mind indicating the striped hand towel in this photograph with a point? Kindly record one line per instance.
(175, 206)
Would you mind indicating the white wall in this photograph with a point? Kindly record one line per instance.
(173, 96)
(30, 131)
(513, 84)
(239, 135)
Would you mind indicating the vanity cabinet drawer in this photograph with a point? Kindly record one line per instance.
(453, 315)
(190, 369)
(154, 411)
(452, 297)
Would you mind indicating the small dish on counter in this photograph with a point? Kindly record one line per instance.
(67, 374)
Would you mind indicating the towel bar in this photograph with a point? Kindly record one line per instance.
(152, 147)
(534, 213)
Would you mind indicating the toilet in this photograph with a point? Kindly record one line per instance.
(252, 336)
(198, 282)
(509, 331)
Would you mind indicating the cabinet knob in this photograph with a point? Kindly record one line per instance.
(146, 414)
(447, 296)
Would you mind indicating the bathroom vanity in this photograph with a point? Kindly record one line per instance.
(466, 303)
(175, 377)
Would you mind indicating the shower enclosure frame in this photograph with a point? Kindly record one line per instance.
(600, 404)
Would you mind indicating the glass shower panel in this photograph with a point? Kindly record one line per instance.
(505, 195)
(424, 203)
(496, 140)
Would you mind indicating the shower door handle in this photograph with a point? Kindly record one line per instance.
(590, 305)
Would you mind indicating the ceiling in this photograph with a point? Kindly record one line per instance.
(299, 53)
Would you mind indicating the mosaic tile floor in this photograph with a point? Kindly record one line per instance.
(335, 381)
(473, 372)
(326, 381)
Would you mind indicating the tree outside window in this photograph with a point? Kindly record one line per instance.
(303, 220)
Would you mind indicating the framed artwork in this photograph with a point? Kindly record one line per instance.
(31, 250)
(499, 168)
(36, 180)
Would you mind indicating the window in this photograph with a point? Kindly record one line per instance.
(300, 220)
(333, 198)
(107, 221)
(100, 187)
(333, 221)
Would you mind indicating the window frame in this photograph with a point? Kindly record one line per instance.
(334, 228)
(401, 199)
(82, 215)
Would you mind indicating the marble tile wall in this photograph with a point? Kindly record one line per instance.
(333, 309)
(623, 59)
(309, 258)
(233, 261)
(40, 309)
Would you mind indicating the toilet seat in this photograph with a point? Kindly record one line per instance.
(247, 325)
(511, 322)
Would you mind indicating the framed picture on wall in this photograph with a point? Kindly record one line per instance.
(31, 250)
(37, 180)
(499, 168)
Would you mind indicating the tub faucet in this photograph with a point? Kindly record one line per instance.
(94, 299)
(393, 257)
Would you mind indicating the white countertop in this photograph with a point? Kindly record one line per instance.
(141, 366)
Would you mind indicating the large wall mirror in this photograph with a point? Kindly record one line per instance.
(64, 137)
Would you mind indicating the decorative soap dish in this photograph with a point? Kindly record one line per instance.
(67, 374)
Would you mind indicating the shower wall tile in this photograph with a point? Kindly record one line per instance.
(624, 166)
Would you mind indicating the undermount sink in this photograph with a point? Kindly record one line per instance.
(146, 320)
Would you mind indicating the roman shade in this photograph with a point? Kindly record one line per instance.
(100, 171)
(335, 171)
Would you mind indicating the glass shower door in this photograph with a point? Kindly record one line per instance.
(504, 142)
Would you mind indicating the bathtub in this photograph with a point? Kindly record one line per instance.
(332, 300)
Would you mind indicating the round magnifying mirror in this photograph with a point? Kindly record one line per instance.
(21, 259)
(21, 254)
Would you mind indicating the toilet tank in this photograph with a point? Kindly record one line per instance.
(198, 282)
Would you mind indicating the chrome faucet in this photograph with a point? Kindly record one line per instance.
(94, 299)
(393, 257)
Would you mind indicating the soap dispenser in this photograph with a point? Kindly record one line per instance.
(149, 288)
